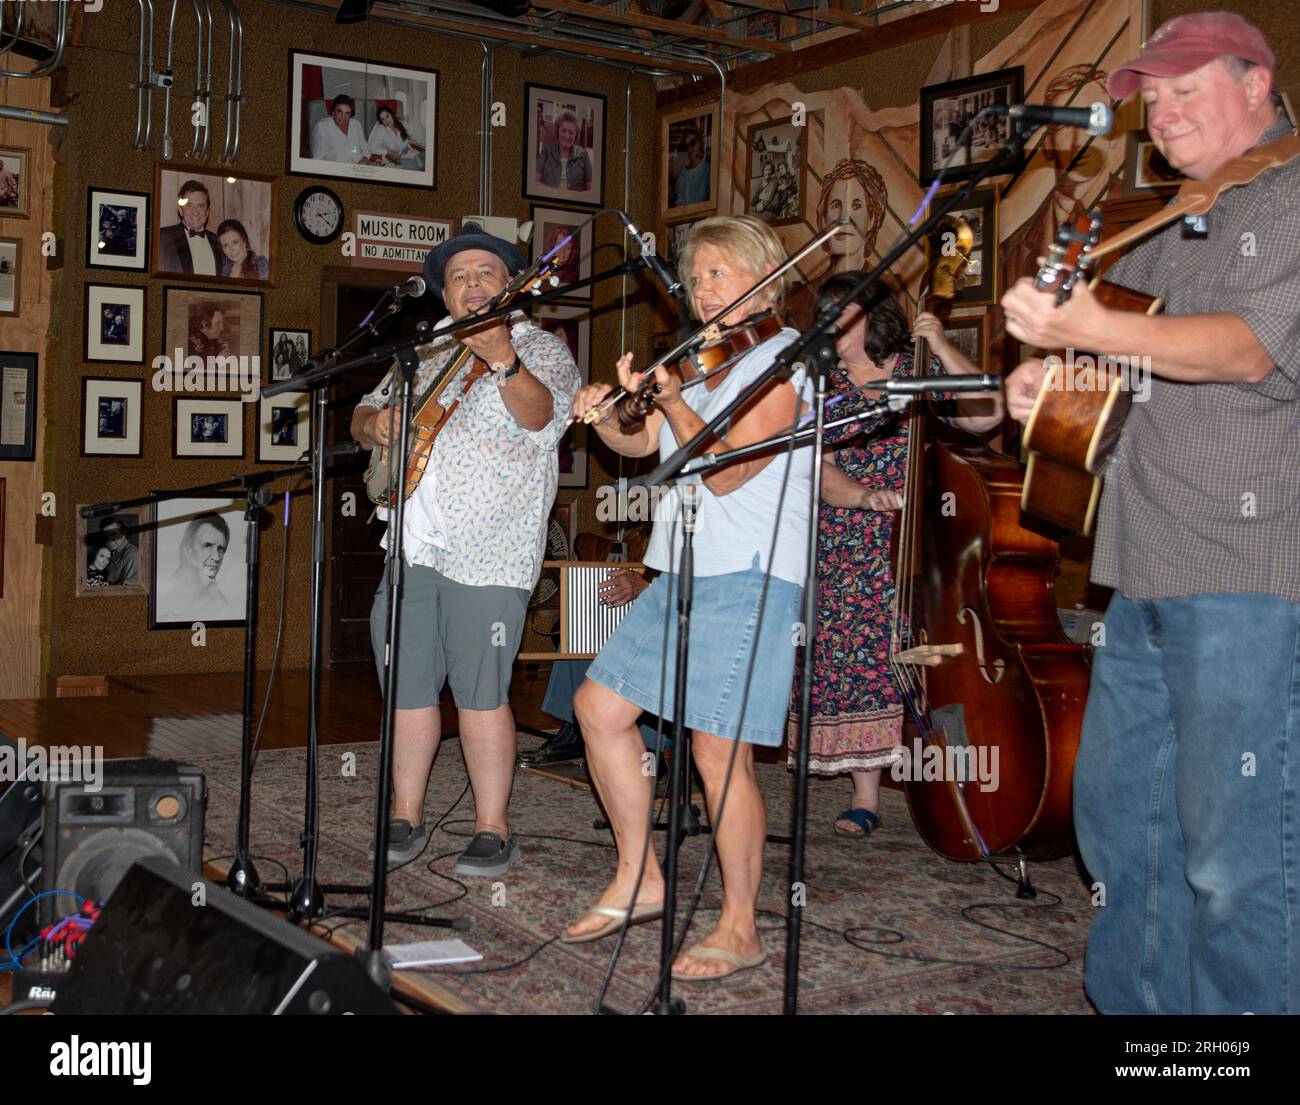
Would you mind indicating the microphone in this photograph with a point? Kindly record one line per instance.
(906, 385)
(653, 261)
(414, 287)
(1096, 120)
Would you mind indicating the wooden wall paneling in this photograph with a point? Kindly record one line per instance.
(24, 558)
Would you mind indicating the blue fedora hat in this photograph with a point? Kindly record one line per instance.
(470, 236)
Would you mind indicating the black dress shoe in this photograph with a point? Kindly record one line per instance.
(564, 745)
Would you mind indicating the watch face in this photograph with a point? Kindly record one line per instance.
(319, 214)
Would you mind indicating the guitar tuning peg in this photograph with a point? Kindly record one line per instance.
(555, 280)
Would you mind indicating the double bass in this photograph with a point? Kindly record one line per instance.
(977, 649)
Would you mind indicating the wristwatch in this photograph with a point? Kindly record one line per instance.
(507, 373)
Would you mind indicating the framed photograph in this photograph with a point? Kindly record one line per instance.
(284, 426)
(564, 145)
(14, 164)
(971, 232)
(17, 406)
(573, 324)
(111, 417)
(550, 227)
(688, 165)
(362, 120)
(212, 323)
(214, 226)
(1145, 167)
(11, 254)
(207, 428)
(114, 324)
(117, 230)
(775, 163)
(287, 352)
(198, 562)
(112, 553)
(970, 334)
(947, 108)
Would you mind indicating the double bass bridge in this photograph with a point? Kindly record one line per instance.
(929, 656)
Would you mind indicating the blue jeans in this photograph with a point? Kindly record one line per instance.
(566, 677)
(1185, 806)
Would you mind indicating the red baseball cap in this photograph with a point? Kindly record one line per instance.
(1188, 42)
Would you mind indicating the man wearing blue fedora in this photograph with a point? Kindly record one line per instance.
(473, 541)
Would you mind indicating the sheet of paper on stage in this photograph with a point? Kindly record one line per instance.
(430, 953)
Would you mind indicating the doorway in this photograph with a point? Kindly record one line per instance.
(354, 560)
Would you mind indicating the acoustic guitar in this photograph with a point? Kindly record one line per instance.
(1073, 428)
(1081, 407)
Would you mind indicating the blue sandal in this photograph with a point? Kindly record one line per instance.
(867, 821)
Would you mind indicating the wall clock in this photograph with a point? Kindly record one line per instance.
(318, 215)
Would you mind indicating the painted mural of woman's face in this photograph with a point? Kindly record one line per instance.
(847, 200)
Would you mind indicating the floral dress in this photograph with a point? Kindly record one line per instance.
(857, 713)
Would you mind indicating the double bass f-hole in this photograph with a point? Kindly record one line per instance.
(999, 667)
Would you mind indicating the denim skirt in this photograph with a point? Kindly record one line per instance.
(738, 672)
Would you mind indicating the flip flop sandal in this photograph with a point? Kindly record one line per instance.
(640, 914)
(867, 821)
(734, 960)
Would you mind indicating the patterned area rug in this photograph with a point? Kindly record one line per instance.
(914, 913)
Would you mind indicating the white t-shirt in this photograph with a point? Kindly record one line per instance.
(732, 530)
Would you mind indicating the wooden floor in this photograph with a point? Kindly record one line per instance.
(173, 717)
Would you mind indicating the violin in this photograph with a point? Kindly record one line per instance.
(714, 351)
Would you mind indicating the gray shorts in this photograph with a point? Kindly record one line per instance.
(451, 632)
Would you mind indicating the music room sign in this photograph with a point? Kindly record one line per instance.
(396, 241)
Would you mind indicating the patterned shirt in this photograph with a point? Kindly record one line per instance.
(495, 480)
(1202, 496)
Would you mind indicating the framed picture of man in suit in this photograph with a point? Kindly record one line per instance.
(214, 226)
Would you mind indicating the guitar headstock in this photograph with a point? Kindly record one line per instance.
(1070, 256)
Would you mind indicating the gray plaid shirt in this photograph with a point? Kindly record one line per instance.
(1202, 495)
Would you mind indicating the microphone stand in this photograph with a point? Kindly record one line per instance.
(306, 895)
(818, 340)
(679, 782)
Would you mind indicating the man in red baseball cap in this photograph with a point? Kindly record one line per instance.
(1186, 790)
(1200, 52)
